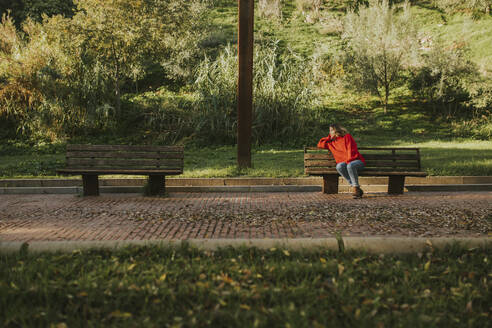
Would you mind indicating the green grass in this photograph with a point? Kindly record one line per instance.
(475, 34)
(292, 30)
(305, 38)
(466, 157)
(455, 158)
(168, 287)
(438, 158)
(221, 162)
(30, 165)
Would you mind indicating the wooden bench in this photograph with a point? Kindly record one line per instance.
(93, 160)
(396, 163)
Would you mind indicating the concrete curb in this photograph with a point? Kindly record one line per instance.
(376, 245)
(270, 188)
(304, 184)
(207, 182)
(450, 187)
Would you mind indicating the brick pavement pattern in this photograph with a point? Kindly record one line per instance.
(242, 215)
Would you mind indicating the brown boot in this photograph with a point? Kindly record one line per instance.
(357, 192)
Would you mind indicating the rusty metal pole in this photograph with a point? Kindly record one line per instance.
(245, 83)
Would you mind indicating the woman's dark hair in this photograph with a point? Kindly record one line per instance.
(340, 131)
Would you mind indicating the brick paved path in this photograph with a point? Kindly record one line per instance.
(242, 215)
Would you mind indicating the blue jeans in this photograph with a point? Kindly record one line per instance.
(351, 171)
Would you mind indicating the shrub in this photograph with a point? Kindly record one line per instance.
(23, 64)
(475, 6)
(480, 101)
(379, 42)
(36, 9)
(477, 128)
(481, 95)
(441, 78)
(66, 76)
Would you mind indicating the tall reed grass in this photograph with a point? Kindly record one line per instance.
(310, 9)
(284, 92)
(270, 9)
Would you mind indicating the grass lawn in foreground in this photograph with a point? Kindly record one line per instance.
(442, 158)
(183, 287)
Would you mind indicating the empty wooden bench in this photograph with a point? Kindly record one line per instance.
(90, 161)
(396, 163)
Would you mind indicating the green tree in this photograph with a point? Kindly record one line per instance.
(24, 63)
(123, 34)
(379, 42)
(476, 6)
(70, 71)
(22, 9)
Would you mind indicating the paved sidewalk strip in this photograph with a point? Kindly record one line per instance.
(217, 185)
(242, 215)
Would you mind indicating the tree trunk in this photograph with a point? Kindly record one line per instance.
(386, 97)
(245, 82)
(117, 94)
(386, 84)
(116, 80)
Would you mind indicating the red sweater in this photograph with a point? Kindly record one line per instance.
(344, 149)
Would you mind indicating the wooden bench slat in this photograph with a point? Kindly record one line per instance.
(324, 156)
(134, 155)
(388, 148)
(123, 162)
(373, 163)
(332, 170)
(390, 169)
(119, 167)
(369, 148)
(311, 156)
(129, 167)
(316, 163)
(366, 169)
(367, 172)
(330, 164)
(120, 171)
(125, 148)
(390, 157)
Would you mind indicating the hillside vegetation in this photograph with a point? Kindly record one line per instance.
(88, 71)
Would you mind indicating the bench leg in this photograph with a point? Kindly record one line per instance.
(157, 184)
(330, 184)
(91, 184)
(396, 184)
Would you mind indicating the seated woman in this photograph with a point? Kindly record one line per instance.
(349, 161)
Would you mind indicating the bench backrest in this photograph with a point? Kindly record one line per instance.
(106, 157)
(317, 160)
